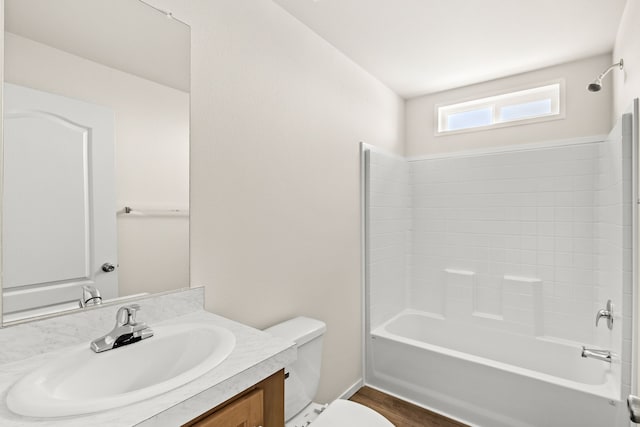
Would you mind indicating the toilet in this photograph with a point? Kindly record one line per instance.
(303, 379)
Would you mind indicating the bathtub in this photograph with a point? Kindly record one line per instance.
(509, 381)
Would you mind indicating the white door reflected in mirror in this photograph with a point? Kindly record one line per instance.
(59, 224)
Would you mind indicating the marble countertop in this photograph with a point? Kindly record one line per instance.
(256, 356)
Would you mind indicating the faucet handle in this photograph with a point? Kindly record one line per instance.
(133, 309)
(126, 315)
(606, 313)
(600, 314)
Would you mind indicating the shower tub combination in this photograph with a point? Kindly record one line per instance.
(470, 375)
(468, 260)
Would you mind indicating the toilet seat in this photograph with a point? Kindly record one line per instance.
(344, 413)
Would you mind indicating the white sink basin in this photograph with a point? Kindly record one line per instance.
(81, 381)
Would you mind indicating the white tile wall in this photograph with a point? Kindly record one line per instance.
(389, 225)
(456, 300)
(530, 241)
(613, 237)
(527, 215)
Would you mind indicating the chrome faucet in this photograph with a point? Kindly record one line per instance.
(90, 296)
(606, 313)
(127, 330)
(604, 355)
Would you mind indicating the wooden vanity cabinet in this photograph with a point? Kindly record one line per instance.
(259, 405)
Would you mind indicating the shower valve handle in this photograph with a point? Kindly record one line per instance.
(606, 313)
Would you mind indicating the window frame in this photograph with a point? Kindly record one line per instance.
(496, 101)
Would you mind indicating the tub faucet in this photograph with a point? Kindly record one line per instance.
(604, 355)
(127, 330)
(607, 313)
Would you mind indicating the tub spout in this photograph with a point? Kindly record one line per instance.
(604, 355)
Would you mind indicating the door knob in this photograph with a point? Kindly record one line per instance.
(107, 267)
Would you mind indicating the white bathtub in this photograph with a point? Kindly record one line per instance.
(492, 379)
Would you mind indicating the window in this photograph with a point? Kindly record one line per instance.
(523, 106)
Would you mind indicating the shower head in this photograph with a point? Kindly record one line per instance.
(596, 85)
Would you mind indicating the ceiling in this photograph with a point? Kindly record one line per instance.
(417, 47)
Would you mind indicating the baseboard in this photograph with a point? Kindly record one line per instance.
(352, 390)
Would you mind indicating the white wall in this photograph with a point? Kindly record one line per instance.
(627, 46)
(277, 115)
(152, 155)
(586, 113)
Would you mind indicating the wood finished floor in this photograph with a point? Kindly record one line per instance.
(401, 413)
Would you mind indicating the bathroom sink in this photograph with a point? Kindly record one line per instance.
(80, 381)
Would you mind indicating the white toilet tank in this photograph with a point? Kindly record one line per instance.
(304, 374)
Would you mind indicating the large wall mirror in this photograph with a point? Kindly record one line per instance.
(96, 154)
